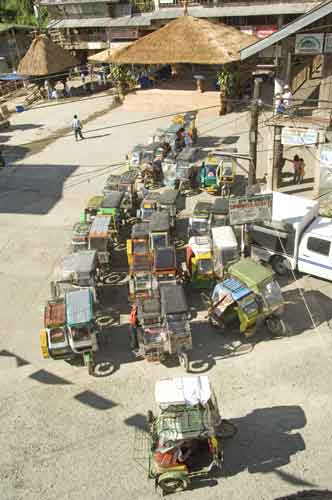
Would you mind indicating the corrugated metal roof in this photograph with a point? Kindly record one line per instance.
(132, 21)
(91, 22)
(237, 289)
(208, 12)
(79, 307)
(316, 13)
(100, 226)
(69, 2)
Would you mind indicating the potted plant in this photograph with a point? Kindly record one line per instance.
(223, 80)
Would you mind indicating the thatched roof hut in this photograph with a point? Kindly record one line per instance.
(105, 56)
(186, 40)
(45, 58)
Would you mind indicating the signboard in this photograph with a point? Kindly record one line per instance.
(291, 136)
(247, 209)
(328, 43)
(309, 43)
(261, 31)
(124, 33)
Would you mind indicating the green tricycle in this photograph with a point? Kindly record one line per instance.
(185, 439)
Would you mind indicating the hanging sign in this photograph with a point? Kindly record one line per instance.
(247, 209)
(309, 43)
(291, 136)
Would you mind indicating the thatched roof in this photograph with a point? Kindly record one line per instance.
(106, 55)
(187, 40)
(45, 58)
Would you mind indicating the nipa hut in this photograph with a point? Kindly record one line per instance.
(186, 40)
(45, 58)
(106, 55)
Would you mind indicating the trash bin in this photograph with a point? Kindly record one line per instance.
(19, 108)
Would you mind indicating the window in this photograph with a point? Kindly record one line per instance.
(319, 246)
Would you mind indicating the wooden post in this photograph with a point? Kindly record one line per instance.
(253, 133)
(277, 158)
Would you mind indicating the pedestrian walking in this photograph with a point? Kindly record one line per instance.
(67, 89)
(77, 128)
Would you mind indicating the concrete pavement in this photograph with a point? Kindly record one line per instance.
(66, 435)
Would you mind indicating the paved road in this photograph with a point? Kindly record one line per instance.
(66, 435)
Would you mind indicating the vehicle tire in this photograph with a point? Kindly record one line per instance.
(171, 483)
(184, 360)
(275, 325)
(279, 265)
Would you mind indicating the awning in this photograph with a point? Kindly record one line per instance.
(94, 22)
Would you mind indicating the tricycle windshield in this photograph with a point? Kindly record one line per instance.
(148, 157)
(205, 266)
(177, 322)
(227, 170)
(200, 226)
(142, 281)
(99, 244)
(152, 321)
(57, 336)
(182, 170)
(140, 247)
(147, 213)
(272, 293)
(219, 220)
(159, 240)
(80, 334)
(210, 170)
(229, 255)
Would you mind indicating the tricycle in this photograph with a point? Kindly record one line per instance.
(220, 212)
(159, 228)
(164, 264)
(224, 248)
(186, 169)
(148, 206)
(79, 240)
(168, 203)
(92, 207)
(185, 437)
(262, 282)
(70, 330)
(100, 240)
(112, 207)
(198, 268)
(199, 223)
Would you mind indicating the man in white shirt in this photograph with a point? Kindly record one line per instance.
(77, 128)
(287, 97)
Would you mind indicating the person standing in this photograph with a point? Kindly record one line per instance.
(77, 128)
(287, 98)
(301, 171)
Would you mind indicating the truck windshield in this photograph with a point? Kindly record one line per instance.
(57, 336)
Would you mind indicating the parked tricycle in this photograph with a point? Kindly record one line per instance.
(159, 230)
(70, 329)
(186, 169)
(199, 223)
(262, 282)
(185, 436)
(208, 175)
(224, 248)
(148, 206)
(140, 277)
(164, 264)
(168, 203)
(100, 240)
(80, 234)
(220, 212)
(198, 268)
(138, 244)
(92, 207)
(111, 206)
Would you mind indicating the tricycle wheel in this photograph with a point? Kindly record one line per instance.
(172, 482)
(275, 325)
(226, 429)
(184, 360)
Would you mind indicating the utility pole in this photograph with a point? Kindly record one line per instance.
(253, 132)
(277, 158)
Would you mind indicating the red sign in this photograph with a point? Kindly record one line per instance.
(265, 30)
(259, 31)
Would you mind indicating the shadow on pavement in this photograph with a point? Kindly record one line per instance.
(33, 189)
(45, 377)
(19, 361)
(265, 440)
(297, 316)
(24, 126)
(309, 495)
(292, 479)
(92, 399)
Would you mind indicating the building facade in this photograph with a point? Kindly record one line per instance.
(88, 26)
